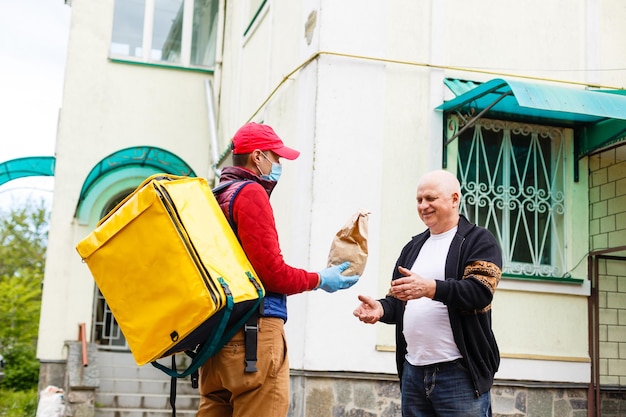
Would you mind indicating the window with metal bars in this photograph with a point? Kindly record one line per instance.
(512, 182)
(106, 332)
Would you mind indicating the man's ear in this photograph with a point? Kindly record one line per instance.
(455, 199)
(254, 159)
(255, 156)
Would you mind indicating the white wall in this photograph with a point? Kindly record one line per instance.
(107, 107)
(364, 122)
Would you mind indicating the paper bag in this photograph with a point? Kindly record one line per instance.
(350, 244)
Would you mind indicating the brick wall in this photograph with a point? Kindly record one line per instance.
(612, 303)
(607, 198)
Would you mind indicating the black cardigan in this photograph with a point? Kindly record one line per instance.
(473, 270)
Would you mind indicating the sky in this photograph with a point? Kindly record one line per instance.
(33, 47)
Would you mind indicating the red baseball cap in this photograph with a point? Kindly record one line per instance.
(253, 136)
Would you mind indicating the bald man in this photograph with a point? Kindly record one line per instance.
(440, 301)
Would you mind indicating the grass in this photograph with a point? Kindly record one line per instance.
(18, 403)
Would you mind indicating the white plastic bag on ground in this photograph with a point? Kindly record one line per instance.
(51, 402)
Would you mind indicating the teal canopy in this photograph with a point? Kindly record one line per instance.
(34, 166)
(160, 159)
(599, 116)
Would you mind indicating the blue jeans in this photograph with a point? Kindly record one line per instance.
(441, 390)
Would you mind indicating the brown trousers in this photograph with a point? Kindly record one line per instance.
(227, 391)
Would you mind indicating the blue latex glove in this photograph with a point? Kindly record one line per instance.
(331, 279)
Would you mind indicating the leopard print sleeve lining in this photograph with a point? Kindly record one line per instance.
(488, 274)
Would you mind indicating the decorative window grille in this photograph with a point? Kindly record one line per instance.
(512, 182)
(106, 331)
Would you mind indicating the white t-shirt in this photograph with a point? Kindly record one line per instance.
(426, 323)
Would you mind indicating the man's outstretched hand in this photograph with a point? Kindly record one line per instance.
(370, 310)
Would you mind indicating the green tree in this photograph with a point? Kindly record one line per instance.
(23, 243)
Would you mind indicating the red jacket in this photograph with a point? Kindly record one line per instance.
(253, 218)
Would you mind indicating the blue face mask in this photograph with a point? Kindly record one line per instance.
(275, 172)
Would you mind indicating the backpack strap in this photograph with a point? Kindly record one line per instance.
(251, 332)
(220, 188)
(173, 388)
(251, 328)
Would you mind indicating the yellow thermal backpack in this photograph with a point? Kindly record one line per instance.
(172, 271)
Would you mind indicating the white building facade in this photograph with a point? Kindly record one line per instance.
(524, 101)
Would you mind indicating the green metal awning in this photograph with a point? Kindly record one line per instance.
(34, 166)
(160, 159)
(599, 116)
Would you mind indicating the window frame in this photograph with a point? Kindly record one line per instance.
(255, 14)
(575, 201)
(186, 39)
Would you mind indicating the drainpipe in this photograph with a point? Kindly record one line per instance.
(208, 87)
(214, 172)
(592, 392)
(594, 404)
